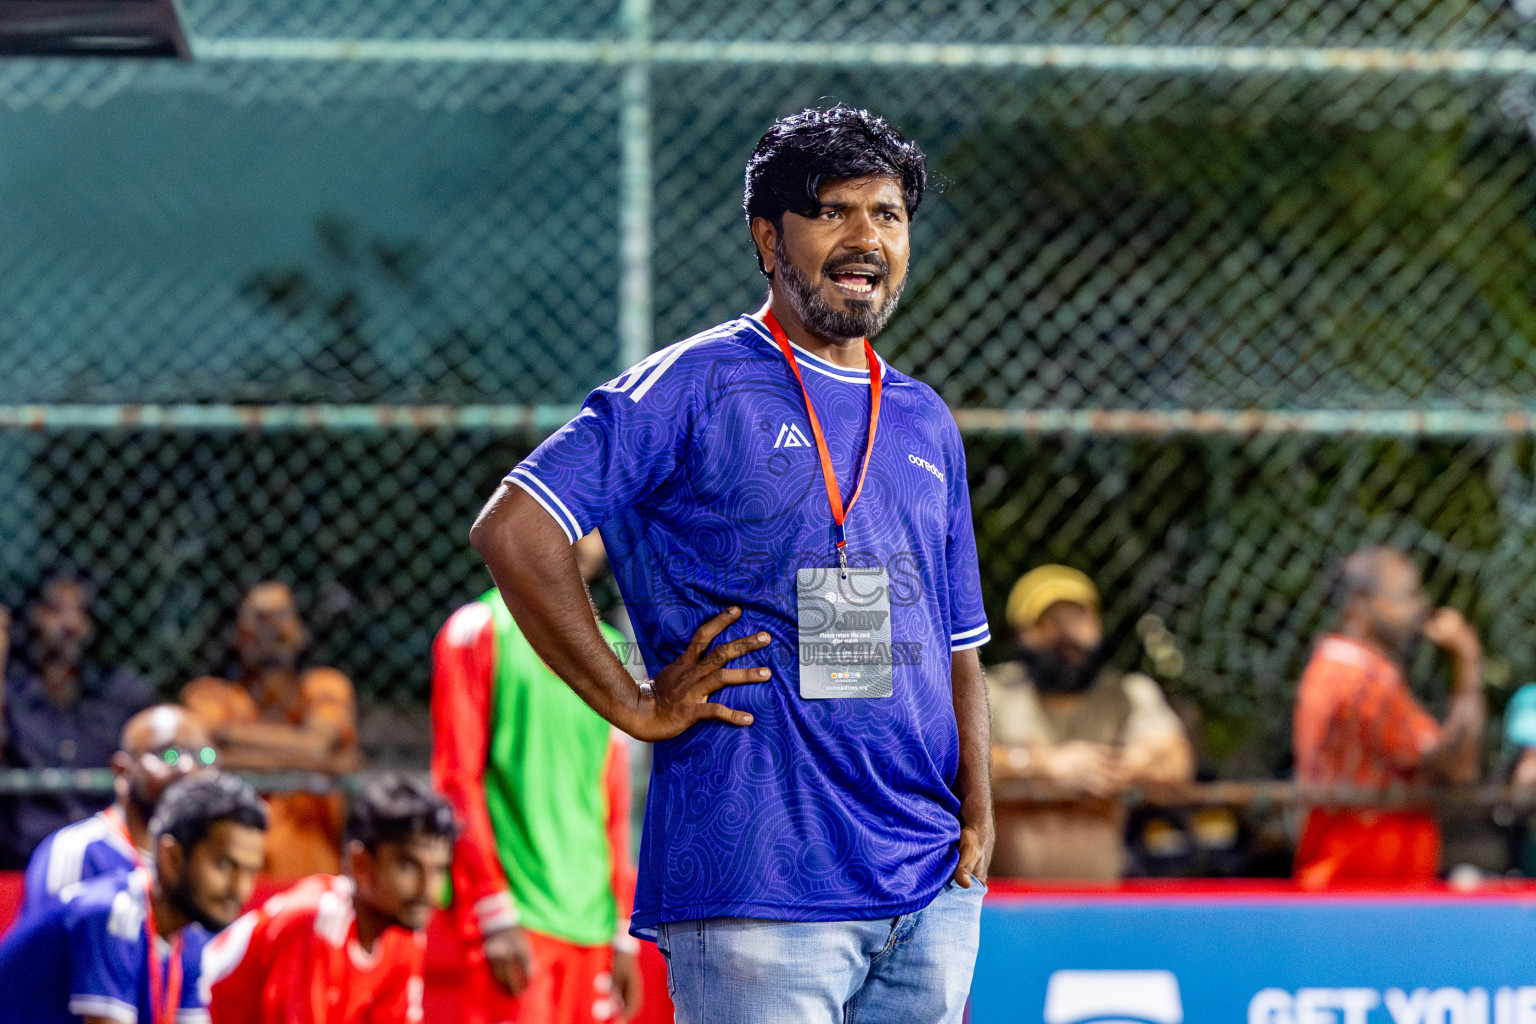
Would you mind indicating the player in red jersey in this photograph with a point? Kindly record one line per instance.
(343, 949)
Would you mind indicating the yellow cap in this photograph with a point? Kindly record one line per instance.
(1040, 588)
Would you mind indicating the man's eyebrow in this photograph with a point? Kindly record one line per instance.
(883, 205)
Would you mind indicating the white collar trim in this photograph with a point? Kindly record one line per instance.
(836, 371)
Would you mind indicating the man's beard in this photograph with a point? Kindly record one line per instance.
(1051, 673)
(140, 800)
(182, 899)
(1403, 645)
(68, 652)
(821, 318)
(272, 656)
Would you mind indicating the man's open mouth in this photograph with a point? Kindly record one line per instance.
(859, 283)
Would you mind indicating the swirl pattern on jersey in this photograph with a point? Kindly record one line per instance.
(698, 466)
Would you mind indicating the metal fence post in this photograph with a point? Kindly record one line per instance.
(635, 321)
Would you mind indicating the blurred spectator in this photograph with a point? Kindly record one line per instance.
(1060, 715)
(61, 709)
(1520, 742)
(542, 883)
(279, 714)
(1520, 734)
(159, 745)
(1358, 726)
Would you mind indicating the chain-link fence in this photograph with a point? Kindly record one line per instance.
(1219, 290)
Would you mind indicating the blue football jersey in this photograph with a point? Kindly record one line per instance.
(98, 845)
(86, 956)
(699, 467)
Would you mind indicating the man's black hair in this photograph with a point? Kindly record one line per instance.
(394, 808)
(193, 805)
(804, 151)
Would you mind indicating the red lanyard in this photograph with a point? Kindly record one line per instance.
(828, 474)
(162, 1004)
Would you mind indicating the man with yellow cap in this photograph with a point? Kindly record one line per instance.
(1060, 715)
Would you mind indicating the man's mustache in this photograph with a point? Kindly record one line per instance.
(868, 260)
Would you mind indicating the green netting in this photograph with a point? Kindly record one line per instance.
(1183, 205)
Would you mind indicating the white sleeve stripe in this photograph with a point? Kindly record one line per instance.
(104, 1006)
(662, 367)
(66, 855)
(560, 522)
(537, 491)
(970, 643)
(65, 861)
(541, 485)
(630, 377)
(969, 632)
(663, 359)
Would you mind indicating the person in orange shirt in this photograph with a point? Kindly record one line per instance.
(280, 716)
(1358, 726)
(343, 949)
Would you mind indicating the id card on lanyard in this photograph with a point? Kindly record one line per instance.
(844, 613)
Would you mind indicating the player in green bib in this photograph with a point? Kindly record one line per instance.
(541, 875)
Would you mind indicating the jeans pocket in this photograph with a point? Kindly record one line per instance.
(977, 888)
(664, 946)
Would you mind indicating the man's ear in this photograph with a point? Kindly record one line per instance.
(170, 860)
(767, 237)
(359, 861)
(121, 763)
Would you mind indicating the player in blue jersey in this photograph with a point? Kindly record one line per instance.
(159, 745)
(816, 836)
(126, 947)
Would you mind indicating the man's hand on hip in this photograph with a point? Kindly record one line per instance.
(509, 958)
(679, 695)
(976, 842)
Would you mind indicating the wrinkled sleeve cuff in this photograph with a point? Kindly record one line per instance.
(496, 912)
(105, 1007)
(623, 942)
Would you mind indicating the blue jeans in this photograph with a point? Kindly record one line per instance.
(913, 969)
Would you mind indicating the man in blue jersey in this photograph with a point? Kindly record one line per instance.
(816, 837)
(126, 947)
(159, 745)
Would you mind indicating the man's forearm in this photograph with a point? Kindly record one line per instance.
(1464, 727)
(973, 781)
(1161, 759)
(278, 738)
(1456, 758)
(531, 561)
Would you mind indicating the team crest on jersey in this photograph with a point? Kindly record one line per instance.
(791, 437)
